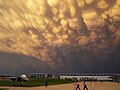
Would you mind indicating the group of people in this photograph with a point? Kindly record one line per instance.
(77, 86)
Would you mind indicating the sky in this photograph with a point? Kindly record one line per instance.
(57, 36)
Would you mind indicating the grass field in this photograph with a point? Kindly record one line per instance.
(33, 83)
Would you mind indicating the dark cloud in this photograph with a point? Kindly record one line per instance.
(15, 64)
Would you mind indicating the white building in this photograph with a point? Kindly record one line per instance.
(88, 76)
(39, 75)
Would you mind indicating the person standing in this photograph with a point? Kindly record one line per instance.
(46, 84)
(85, 85)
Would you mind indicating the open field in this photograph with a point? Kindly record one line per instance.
(91, 86)
(33, 83)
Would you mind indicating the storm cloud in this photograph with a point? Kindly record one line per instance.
(67, 35)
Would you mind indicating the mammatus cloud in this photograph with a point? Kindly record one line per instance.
(61, 31)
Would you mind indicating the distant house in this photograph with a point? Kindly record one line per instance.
(116, 78)
(3, 77)
(88, 76)
(39, 75)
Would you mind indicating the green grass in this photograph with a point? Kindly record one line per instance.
(33, 83)
(6, 83)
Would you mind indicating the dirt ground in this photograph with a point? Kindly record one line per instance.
(90, 85)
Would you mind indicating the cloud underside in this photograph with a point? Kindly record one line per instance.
(61, 32)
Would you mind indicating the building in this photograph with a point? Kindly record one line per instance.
(39, 75)
(3, 77)
(116, 78)
(88, 76)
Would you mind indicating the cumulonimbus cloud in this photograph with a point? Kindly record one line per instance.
(51, 30)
